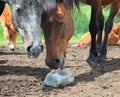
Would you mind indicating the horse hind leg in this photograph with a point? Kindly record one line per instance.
(108, 26)
(6, 34)
(12, 37)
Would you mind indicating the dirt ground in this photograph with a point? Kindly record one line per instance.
(23, 77)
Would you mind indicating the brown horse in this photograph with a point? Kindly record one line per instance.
(57, 25)
(9, 31)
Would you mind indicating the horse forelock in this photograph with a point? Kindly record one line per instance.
(37, 1)
(49, 5)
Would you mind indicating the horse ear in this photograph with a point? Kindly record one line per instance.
(59, 1)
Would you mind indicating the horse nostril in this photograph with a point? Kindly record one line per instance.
(41, 48)
(56, 61)
(29, 49)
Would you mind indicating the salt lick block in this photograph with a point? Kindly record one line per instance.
(58, 78)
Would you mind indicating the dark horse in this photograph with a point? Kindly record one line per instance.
(98, 49)
(57, 25)
(26, 18)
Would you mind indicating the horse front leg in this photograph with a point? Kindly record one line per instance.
(93, 28)
(100, 30)
(108, 27)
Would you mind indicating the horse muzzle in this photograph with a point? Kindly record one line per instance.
(33, 51)
(55, 63)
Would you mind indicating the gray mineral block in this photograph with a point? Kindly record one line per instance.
(58, 78)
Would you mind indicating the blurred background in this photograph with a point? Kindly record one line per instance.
(81, 23)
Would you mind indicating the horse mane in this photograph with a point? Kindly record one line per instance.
(29, 2)
(36, 1)
(67, 3)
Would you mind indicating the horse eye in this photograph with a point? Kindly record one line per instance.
(61, 23)
(18, 8)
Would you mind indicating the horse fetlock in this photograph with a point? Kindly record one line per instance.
(103, 52)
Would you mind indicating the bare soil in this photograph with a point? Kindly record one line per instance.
(23, 77)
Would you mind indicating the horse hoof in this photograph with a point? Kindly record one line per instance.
(102, 59)
(92, 63)
(11, 47)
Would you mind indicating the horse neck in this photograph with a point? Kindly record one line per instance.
(106, 2)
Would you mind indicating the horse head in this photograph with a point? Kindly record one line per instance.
(57, 25)
(26, 20)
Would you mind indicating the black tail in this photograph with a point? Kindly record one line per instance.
(2, 5)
